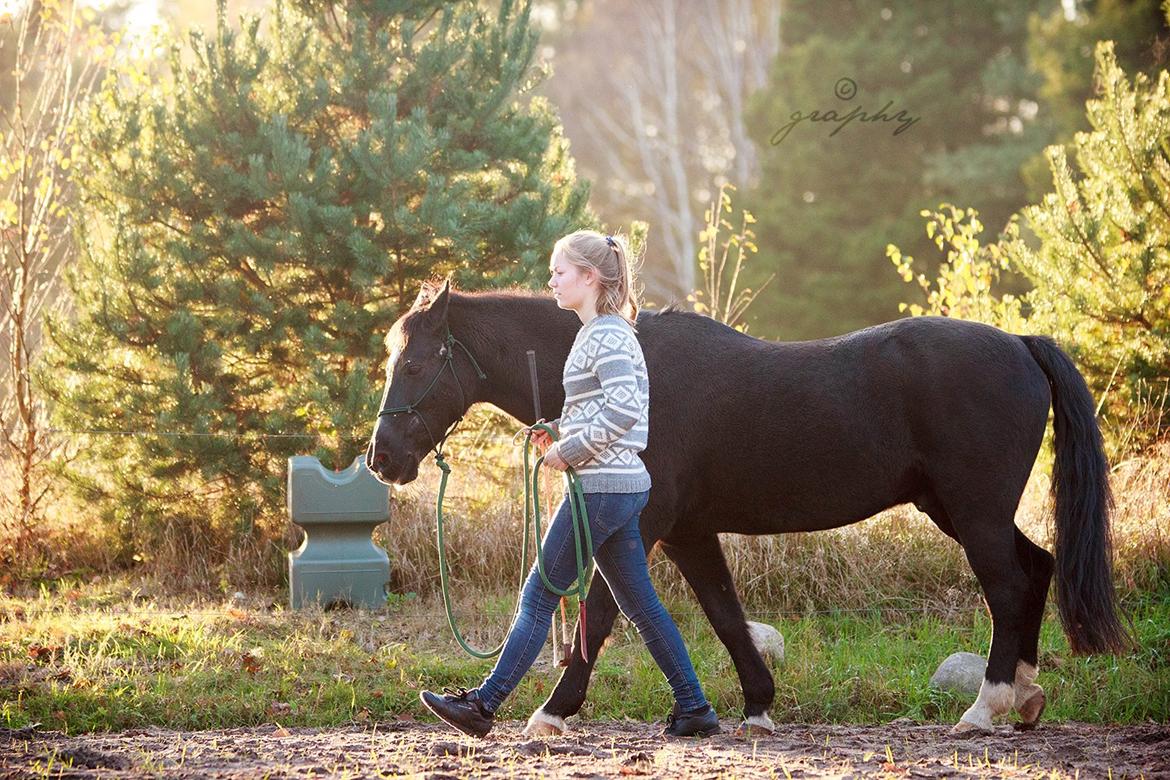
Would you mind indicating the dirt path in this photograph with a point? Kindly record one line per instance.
(591, 749)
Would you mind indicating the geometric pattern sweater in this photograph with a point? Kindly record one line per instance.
(605, 421)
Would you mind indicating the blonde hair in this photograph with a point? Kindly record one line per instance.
(611, 258)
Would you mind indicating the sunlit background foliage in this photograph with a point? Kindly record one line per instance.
(209, 217)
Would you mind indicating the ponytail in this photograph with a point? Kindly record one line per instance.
(610, 256)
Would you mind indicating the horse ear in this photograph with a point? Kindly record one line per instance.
(425, 293)
(432, 302)
(430, 293)
(438, 305)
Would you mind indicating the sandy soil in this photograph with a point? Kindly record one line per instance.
(590, 749)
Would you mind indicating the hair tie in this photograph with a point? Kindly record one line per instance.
(609, 240)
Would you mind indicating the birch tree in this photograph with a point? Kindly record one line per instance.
(652, 94)
(53, 67)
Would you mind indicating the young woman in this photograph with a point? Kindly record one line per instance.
(603, 426)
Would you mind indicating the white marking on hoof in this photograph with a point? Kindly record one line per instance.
(1030, 698)
(963, 727)
(994, 699)
(757, 725)
(541, 724)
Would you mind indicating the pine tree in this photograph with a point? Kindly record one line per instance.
(260, 218)
(1061, 50)
(1095, 256)
(828, 204)
(1101, 272)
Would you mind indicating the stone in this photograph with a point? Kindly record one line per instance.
(960, 673)
(767, 640)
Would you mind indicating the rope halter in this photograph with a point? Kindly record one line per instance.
(448, 353)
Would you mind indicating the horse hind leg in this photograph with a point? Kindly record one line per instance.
(1010, 584)
(1038, 564)
(989, 543)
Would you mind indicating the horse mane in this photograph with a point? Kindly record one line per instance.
(511, 291)
(675, 307)
(675, 312)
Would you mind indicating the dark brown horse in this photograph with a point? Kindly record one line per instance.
(754, 437)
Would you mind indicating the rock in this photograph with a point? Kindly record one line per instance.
(767, 640)
(961, 673)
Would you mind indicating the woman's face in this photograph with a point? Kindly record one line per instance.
(573, 287)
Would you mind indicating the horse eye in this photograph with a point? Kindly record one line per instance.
(413, 368)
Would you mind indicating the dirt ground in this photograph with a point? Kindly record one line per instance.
(590, 749)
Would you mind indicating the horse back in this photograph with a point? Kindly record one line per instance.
(752, 436)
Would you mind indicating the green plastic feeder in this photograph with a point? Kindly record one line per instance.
(338, 563)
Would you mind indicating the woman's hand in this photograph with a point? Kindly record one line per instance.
(542, 438)
(553, 459)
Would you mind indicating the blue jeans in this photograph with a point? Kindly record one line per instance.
(621, 560)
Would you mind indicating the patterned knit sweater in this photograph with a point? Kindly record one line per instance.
(605, 421)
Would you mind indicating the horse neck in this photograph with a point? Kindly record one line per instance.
(499, 330)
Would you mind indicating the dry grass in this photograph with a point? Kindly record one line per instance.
(1141, 524)
(897, 559)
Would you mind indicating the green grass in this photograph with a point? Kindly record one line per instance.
(94, 660)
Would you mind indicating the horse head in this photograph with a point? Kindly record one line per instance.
(427, 388)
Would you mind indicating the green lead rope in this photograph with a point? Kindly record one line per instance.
(583, 543)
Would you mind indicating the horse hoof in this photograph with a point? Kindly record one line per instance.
(968, 729)
(1031, 710)
(541, 724)
(756, 726)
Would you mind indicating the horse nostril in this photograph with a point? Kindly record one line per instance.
(374, 460)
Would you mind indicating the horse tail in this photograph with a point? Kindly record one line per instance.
(1083, 502)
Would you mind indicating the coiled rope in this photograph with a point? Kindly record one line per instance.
(582, 542)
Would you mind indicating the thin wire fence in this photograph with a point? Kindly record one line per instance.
(479, 451)
(235, 611)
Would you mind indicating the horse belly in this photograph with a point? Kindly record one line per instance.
(812, 495)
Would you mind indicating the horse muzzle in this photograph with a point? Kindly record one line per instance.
(391, 468)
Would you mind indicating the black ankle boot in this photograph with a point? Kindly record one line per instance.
(460, 708)
(696, 723)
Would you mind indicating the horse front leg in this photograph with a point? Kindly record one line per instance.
(701, 561)
(569, 693)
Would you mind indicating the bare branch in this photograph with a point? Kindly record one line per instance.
(50, 82)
